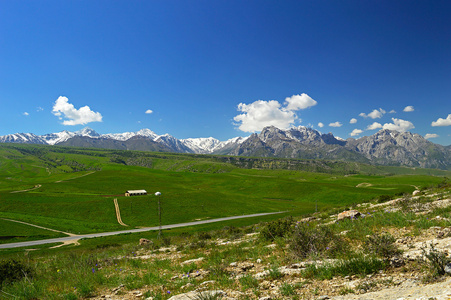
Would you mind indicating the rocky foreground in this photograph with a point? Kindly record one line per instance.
(265, 276)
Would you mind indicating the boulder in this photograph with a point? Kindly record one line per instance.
(143, 242)
(348, 214)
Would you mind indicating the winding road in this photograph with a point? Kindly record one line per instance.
(94, 235)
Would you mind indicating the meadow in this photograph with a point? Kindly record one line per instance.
(72, 189)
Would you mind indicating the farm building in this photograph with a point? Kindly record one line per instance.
(135, 193)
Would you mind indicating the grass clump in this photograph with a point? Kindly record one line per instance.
(360, 265)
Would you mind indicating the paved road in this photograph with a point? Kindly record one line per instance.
(94, 235)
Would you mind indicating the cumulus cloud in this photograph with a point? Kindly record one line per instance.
(84, 115)
(297, 102)
(149, 111)
(320, 125)
(409, 108)
(375, 114)
(374, 126)
(398, 125)
(26, 114)
(356, 132)
(353, 121)
(392, 111)
(335, 124)
(259, 114)
(442, 122)
(431, 135)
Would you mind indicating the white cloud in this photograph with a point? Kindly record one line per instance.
(353, 121)
(431, 135)
(26, 114)
(297, 102)
(398, 125)
(260, 114)
(375, 114)
(392, 111)
(335, 124)
(356, 132)
(63, 109)
(442, 122)
(374, 126)
(149, 111)
(409, 108)
(320, 125)
(38, 109)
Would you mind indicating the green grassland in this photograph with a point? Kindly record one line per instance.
(72, 189)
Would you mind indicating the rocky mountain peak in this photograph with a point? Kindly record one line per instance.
(88, 132)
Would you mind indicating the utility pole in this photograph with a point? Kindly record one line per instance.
(158, 194)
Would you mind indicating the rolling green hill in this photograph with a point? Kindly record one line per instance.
(72, 189)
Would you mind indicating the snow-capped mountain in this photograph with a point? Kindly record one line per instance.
(127, 135)
(59, 137)
(22, 138)
(168, 142)
(385, 147)
(210, 145)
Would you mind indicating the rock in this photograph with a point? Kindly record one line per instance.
(348, 214)
(265, 298)
(416, 192)
(397, 262)
(143, 242)
(448, 268)
(117, 288)
(207, 282)
(259, 261)
(189, 284)
(325, 297)
(246, 266)
(198, 295)
(190, 261)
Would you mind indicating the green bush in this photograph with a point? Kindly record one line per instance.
(435, 260)
(309, 240)
(277, 228)
(12, 270)
(382, 246)
(384, 198)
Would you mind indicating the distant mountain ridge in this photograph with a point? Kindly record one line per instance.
(385, 147)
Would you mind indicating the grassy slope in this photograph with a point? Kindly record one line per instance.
(192, 187)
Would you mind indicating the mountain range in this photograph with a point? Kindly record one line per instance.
(386, 147)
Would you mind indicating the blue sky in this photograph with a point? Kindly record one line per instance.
(226, 68)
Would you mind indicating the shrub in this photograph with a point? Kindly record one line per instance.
(435, 260)
(309, 240)
(13, 270)
(203, 235)
(382, 246)
(384, 198)
(277, 228)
